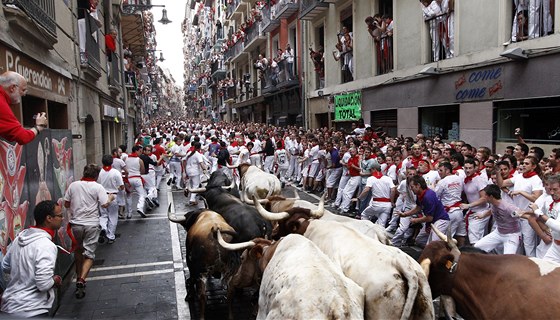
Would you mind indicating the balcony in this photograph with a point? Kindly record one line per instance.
(254, 37)
(41, 26)
(310, 9)
(234, 8)
(89, 51)
(238, 51)
(384, 53)
(269, 21)
(114, 74)
(285, 8)
(441, 45)
(218, 70)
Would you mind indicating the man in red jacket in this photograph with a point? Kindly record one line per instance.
(12, 87)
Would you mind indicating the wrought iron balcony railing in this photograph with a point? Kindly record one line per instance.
(42, 11)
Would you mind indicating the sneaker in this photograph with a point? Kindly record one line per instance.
(111, 241)
(283, 185)
(174, 181)
(150, 203)
(142, 214)
(169, 181)
(156, 202)
(80, 288)
(102, 236)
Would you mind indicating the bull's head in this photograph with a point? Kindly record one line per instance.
(275, 216)
(439, 261)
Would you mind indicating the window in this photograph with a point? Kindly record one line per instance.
(532, 19)
(382, 32)
(525, 115)
(317, 57)
(344, 48)
(440, 17)
(386, 120)
(442, 120)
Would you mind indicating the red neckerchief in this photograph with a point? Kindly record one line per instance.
(511, 172)
(454, 171)
(234, 144)
(399, 166)
(415, 160)
(435, 163)
(421, 195)
(528, 175)
(552, 204)
(377, 174)
(471, 177)
(51, 232)
(133, 155)
(88, 179)
(107, 168)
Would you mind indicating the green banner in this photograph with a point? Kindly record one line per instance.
(348, 107)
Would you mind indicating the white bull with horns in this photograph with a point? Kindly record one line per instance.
(255, 182)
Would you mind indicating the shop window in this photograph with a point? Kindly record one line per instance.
(31, 106)
(58, 115)
(385, 120)
(442, 120)
(538, 123)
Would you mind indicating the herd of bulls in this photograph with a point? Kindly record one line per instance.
(309, 263)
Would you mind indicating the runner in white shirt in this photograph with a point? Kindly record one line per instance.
(175, 170)
(135, 167)
(281, 162)
(344, 177)
(527, 188)
(477, 217)
(449, 190)
(194, 169)
(111, 179)
(383, 193)
(406, 201)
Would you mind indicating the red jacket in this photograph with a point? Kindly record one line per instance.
(110, 43)
(10, 128)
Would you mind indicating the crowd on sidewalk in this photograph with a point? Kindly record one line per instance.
(504, 202)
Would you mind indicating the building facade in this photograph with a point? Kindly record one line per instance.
(468, 70)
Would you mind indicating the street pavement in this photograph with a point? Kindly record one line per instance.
(143, 274)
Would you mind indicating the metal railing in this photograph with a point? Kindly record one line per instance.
(114, 70)
(42, 11)
(91, 54)
(384, 51)
(237, 48)
(253, 32)
(441, 43)
(231, 8)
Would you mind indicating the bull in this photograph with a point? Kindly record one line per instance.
(255, 182)
(394, 284)
(279, 204)
(298, 280)
(205, 256)
(243, 218)
(485, 286)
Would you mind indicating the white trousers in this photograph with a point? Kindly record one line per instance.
(341, 185)
(108, 219)
(424, 237)
(509, 241)
(477, 227)
(137, 190)
(349, 189)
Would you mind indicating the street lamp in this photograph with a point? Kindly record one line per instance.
(161, 58)
(135, 6)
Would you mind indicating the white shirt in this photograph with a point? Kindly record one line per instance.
(472, 190)
(193, 164)
(431, 177)
(528, 185)
(85, 197)
(118, 164)
(281, 157)
(110, 180)
(380, 188)
(449, 190)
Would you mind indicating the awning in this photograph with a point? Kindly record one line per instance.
(133, 34)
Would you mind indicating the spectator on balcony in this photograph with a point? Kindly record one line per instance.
(344, 51)
(288, 56)
(430, 11)
(88, 22)
(373, 27)
(522, 33)
(12, 87)
(110, 48)
(318, 58)
(281, 65)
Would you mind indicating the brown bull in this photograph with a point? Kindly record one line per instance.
(492, 286)
(205, 256)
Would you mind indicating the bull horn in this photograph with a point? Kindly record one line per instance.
(425, 264)
(296, 194)
(317, 214)
(234, 246)
(172, 217)
(196, 190)
(231, 186)
(270, 216)
(443, 237)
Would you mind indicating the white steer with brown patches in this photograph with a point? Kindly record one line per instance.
(299, 281)
(255, 182)
(395, 285)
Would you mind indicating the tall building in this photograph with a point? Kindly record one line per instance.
(472, 70)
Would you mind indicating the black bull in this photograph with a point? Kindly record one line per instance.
(245, 219)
